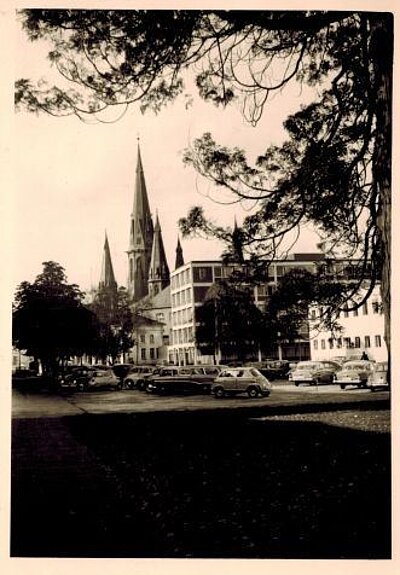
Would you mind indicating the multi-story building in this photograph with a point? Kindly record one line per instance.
(361, 331)
(189, 286)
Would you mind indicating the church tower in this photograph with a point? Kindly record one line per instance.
(140, 237)
(159, 271)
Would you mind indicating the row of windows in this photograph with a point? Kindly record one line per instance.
(347, 342)
(376, 308)
(143, 339)
(180, 279)
(182, 316)
(184, 335)
(182, 297)
(153, 353)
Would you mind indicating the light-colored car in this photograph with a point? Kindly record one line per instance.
(354, 373)
(378, 378)
(314, 372)
(137, 376)
(102, 378)
(248, 380)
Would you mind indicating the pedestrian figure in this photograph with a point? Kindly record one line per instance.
(364, 356)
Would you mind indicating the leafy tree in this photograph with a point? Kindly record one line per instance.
(229, 323)
(115, 322)
(50, 321)
(334, 170)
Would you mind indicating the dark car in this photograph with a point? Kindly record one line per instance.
(76, 377)
(185, 379)
(314, 372)
(278, 369)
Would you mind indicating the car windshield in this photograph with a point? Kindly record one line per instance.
(357, 365)
(308, 365)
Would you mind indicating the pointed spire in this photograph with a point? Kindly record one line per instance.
(140, 236)
(159, 270)
(107, 277)
(179, 261)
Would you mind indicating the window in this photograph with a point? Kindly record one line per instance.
(378, 341)
(347, 342)
(346, 311)
(367, 341)
(357, 342)
(313, 314)
(355, 312)
(375, 307)
(188, 295)
(142, 338)
(330, 341)
(202, 274)
(339, 342)
(152, 353)
(151, 338)
(143, 353)
(315, 344)
(200, 293)
(365, 308)
(322, 344)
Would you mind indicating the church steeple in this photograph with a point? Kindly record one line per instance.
(179, 261)
(140, 238)
(107, 277)
(159, 271)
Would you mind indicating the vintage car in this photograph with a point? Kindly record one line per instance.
(184, 379)
(101, 378)
(378, 378)
(314, 372)
(138, 375)
(354, 373)
(276, 369)
(233, 381)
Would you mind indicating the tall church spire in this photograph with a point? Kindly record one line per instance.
(107, 277)
(179, 261)
(159, 271)
(140, 238)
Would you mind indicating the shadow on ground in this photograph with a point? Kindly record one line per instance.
(204, 484)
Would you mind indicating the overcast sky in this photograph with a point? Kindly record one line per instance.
(74, 181)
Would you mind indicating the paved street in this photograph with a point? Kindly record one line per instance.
(126, 401)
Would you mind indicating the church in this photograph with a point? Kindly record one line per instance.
(148, 279)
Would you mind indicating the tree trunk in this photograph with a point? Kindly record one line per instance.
(382, 60)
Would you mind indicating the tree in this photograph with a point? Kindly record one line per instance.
(115, 323)
(335, 168)
(50, 321)
(229, 323)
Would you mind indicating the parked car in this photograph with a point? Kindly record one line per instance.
(184, 379)
(138, 375)
(354, 373)
(248, 380)
(277, 369)
(76, 376)
(378, 378)
(314, 372)
(100, 378)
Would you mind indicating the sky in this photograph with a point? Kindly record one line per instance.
(74, 182)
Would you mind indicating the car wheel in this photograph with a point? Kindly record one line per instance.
(252, 392)
(296, 383)
(141, 385)
(315, 381)
(119, 386)
(219, 392)
(342, 386)
(129, 383)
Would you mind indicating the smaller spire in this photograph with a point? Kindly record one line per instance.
(179, 261)
(107, 278)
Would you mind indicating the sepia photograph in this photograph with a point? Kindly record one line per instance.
(200, 274)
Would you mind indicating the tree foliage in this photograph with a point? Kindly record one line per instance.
(50, 321)
(334, 169)
(229, 323)
(115, 323)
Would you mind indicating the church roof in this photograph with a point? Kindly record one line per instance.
(158, 266)
(159, 301)
(141, 223)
